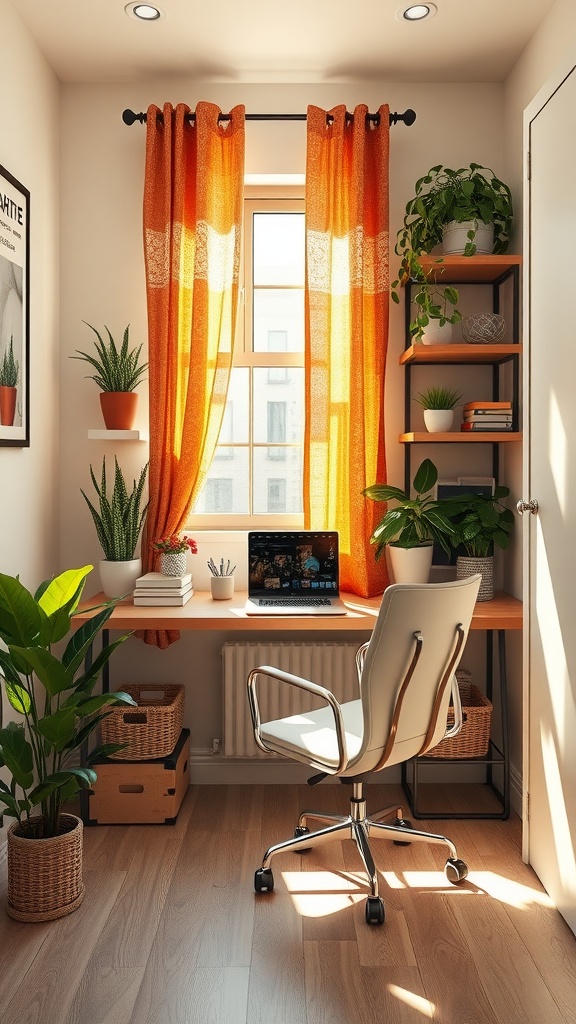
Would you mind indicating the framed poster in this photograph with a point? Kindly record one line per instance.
(14, 312)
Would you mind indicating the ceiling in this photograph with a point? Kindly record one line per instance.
(271, 41)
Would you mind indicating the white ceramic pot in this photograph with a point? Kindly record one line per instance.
(438, 420)
(119, 578)
(455, 237)
(436, 335)
(411, 565)
(222, 587)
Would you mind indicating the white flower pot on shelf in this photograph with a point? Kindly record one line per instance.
(411, 565)
(438, 421)
(455, 237)
(434, 334)
(118, 579)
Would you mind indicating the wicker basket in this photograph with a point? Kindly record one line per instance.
(44, 875)
(474, 737)
(150, 730)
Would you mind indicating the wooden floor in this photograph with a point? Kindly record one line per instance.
(171, 931)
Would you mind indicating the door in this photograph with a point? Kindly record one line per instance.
(550, 582)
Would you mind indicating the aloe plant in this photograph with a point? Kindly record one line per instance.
(52, 693)
(9, 368)
(117, 369)
(120, 518)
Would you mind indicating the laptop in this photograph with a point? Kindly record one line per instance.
(293, 573)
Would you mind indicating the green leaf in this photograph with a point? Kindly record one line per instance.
(17, 754)
(20, 620)
(58, 728)
(52, 674)
(60, 598)
(426, 477)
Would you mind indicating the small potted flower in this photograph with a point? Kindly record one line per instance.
(173, 551)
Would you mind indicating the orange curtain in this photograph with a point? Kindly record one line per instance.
(347, 286)
(192, 217)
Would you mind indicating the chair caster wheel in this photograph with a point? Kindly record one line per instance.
(374, 910)
(301, 830)
(263, 880)
(455, 870)
(402, 823)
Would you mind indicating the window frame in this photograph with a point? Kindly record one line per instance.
(257, 199)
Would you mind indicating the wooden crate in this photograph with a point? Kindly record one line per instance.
(141, 792)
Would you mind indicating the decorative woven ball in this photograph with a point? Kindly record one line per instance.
(483, 328)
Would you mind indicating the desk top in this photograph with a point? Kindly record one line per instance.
(202, 612)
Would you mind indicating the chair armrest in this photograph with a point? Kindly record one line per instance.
(457, 706)
(266, 671)
(360, 659)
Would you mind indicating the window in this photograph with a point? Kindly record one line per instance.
(264, 420)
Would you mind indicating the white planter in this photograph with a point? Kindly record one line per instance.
(436, 335)
(173, 564)
(411, 565)
(119, 578)
(455, 237)
(438, 420)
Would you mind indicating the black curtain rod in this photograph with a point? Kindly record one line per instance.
(408, 117)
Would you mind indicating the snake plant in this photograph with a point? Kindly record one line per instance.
(120, 518)
(117, 369)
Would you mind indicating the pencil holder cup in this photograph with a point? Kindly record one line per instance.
(222, 587)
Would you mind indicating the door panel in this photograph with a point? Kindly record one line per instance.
(551, 584)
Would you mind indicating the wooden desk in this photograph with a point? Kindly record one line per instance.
(202, 612)
(494, 617)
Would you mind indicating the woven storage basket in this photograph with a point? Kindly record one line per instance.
(474, 737)
(150, 730)
(44, 875)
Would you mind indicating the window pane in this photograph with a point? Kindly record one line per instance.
(278, 312)
(227, 487)
(236, 416)
(278, 256)
(279, 406)
(277, 488)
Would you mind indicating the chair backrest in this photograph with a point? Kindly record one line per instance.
(416, 644)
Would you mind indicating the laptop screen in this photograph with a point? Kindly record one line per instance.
(294, 564)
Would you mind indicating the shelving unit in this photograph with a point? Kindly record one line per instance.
(494, 271)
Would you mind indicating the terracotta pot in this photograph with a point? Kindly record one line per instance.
(119, 409)
(7, 405)
(44, 875)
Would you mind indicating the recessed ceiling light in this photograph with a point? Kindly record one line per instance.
(417, 12)
(146, 12)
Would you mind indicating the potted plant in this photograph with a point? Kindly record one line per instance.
(9, 370)
(438, 404)
(173, 553)
(118, 521)
(459, 209)
(480, 522)
(436, 306)
(411, 527)
(48, 684)
(118, 371)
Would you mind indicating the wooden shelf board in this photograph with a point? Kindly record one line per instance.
(459, 437)
(470, 269)
(428, 354)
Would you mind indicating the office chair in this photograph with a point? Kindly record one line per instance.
(406, 676)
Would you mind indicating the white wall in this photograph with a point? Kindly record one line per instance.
(29, 150)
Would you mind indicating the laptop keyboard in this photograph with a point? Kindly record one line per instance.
(295, 602)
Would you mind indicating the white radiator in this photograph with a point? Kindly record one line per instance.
(331, 665)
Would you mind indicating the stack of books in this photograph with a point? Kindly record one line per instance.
(487, 416)
(154, 589)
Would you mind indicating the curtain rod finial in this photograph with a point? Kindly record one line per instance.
(129, 117)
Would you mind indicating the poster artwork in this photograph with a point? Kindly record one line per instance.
(14, 306)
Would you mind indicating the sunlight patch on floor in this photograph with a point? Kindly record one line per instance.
(322, 893)
(424, 1006)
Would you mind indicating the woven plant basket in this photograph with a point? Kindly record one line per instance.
(44, 875)
(473, 739)
(150, 730)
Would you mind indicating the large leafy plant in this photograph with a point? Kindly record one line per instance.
(9, 368)
(412, 521)
(481, 521)
(117, 369)
(52, 693)
(119, 517)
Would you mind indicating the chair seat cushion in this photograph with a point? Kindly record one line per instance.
(311, 734)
